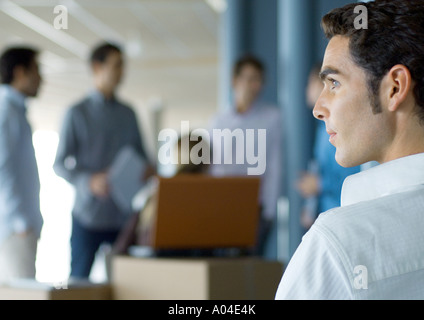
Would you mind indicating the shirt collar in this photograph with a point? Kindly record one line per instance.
(14, 96)
(396, 176)
(100, 99)
(253, 109)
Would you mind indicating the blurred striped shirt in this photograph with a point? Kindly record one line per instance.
(19, 180)
(259, 116)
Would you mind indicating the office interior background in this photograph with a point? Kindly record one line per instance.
(179, 58)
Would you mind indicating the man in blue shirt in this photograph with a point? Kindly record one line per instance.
(93, 132)
(20, 216)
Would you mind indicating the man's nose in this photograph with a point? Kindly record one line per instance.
(320, 110)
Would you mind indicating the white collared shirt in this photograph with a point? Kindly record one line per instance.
(372, 247)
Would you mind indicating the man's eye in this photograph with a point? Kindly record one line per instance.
(334, 83)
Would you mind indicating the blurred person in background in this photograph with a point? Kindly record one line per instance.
(93, 132)
(248, 112)
(20, 217)
(138, 230)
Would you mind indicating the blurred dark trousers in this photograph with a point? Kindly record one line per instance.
(264, 229)
(84, 245)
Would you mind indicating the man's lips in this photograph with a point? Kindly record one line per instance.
(332, 135)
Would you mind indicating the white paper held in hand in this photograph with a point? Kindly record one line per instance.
(125, 177)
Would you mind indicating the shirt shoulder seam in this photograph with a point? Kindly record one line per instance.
(339, 251)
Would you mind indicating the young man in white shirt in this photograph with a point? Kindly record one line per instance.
(373, 107)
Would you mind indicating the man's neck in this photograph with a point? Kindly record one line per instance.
(107, 93)
(19, 89)
(408, 142)
(243, 107)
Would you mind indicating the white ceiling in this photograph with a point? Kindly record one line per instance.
(171, 48)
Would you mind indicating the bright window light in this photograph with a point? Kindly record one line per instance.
(56, 200)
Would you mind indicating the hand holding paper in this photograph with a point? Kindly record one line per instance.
(99, 185)
(124, 177)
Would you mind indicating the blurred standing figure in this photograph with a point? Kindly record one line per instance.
(93, 132)
(248, 113)
(20, 216)
(321, 185)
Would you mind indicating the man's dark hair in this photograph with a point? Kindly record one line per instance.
(395, 35)
(250, 60)
(102, 51)
(13, 57)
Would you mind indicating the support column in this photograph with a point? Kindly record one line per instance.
(250, 26)
(232, 43)
(295, 56)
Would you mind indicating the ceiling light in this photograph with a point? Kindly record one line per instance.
(218, 5)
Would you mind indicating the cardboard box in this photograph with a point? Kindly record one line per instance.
(27, 289)
(195, 279)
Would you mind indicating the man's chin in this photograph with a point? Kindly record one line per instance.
(347, 161)
(32, 94)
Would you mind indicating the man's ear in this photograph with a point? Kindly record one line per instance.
(396, 86)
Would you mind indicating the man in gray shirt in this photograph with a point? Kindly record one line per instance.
(94, 131)
(20, 216)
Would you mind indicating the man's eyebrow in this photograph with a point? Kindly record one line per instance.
(327, 71)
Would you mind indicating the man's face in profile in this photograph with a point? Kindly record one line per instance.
(344, 104)
(31, 79)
